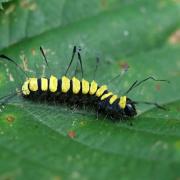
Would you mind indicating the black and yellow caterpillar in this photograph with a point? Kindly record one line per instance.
(80, 92)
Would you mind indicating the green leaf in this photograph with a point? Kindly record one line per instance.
(48, 141)
(3, 1)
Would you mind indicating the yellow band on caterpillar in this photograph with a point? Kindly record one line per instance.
(65, 84)
(53, 83)
(122, 102)
(101, 90)
(106, 96)
(33, 84)
(93, 88)
(25, 89)
(85, 86)
(44, 84)
(76, 86)
(112, 99)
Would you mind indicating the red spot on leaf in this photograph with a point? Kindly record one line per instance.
(124, 65)
(158, 87)
(72, 134)
(10, 118)
(104, 3)
(175, 37)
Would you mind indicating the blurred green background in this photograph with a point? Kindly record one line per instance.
(41, 141)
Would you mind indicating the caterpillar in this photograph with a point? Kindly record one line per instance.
(80, 91)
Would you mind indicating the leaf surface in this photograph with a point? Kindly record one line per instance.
(43, 141)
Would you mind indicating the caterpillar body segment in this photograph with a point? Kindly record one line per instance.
(80, 92)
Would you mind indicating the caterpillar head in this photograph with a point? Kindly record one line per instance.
(130, 108)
